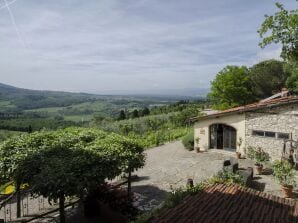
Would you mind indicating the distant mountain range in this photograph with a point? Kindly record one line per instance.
(19, 99)
(186, 92)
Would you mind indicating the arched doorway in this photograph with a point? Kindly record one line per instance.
(222, 136)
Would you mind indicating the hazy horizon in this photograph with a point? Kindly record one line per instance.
(109, 45)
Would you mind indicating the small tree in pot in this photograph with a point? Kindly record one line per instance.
(260, 157)
(239, 143)
(197, 144)
(283, 173)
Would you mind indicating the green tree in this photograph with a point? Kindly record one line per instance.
(145, 111)
(135, 114)
(122, 115)
(231, 87)
(67, 162)
(292, 81)
(281, 28)
(268, 77)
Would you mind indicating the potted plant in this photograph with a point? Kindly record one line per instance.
(239, 143)
(283, 173)
(197, 144)
(260, 156)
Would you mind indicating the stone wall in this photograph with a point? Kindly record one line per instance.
(282, 119)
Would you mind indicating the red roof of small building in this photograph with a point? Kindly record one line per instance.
(222, 203)
(252, 107)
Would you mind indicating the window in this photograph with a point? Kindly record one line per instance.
(270, 134)
(276, 135)
(283, 135)
(257, 133)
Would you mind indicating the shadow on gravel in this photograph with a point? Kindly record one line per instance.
(257, 185)
(148, 197)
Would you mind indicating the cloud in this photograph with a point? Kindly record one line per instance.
(100, 45)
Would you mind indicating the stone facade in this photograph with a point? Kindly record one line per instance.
(278, 119)
(275, 120)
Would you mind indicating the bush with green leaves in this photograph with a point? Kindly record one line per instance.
(188, 141)
(258, 154)
(283, 172)
(225, 176)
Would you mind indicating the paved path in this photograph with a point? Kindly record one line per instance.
(169, 166)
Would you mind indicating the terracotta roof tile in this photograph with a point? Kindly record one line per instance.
(222, 203)
(252, 107)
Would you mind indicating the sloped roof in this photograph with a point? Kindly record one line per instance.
(252, 107)
(222, 203)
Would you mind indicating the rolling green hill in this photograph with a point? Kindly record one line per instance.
(21, 108)
(13, 99)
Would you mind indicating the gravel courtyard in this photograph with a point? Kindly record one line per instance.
(169, 166)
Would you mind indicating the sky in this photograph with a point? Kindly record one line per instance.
(101, 46)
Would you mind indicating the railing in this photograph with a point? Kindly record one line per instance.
(33, 208)
(29, 206)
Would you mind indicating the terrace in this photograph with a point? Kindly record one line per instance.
(169, 166)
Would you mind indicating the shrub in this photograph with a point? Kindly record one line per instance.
(283, 173)
(259, 155)
(188, 141)
(227, 177)
(117, 198)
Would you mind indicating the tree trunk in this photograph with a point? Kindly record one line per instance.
(129, 182)
(61, 208)
(18, 195)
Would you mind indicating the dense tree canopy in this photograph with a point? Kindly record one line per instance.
(292, 81)
(231, 87)
(67, 162)
(268, 77)
(281, 28)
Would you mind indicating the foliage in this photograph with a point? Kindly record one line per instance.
(250, 152)
(225, 176)
(258, 154)
(231, 87)
(117, 198)
(67, 162)
(282, 28)
(283, 173)
(5, 134)
(188, 141)
(239, 142)
(122, 115)
(153, 130)
(159, 137)
(292, 81)
(268, 78)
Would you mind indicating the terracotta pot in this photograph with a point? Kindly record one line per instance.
(287, 190)
(238, 155)
(259, 168)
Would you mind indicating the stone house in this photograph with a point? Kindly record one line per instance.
(266, 124)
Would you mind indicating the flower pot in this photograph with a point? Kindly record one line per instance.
(259, 168)
(197, 149)
(238, 155)
(287, 190)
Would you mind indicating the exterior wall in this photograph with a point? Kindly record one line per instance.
(283, 119)
(201, 129)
